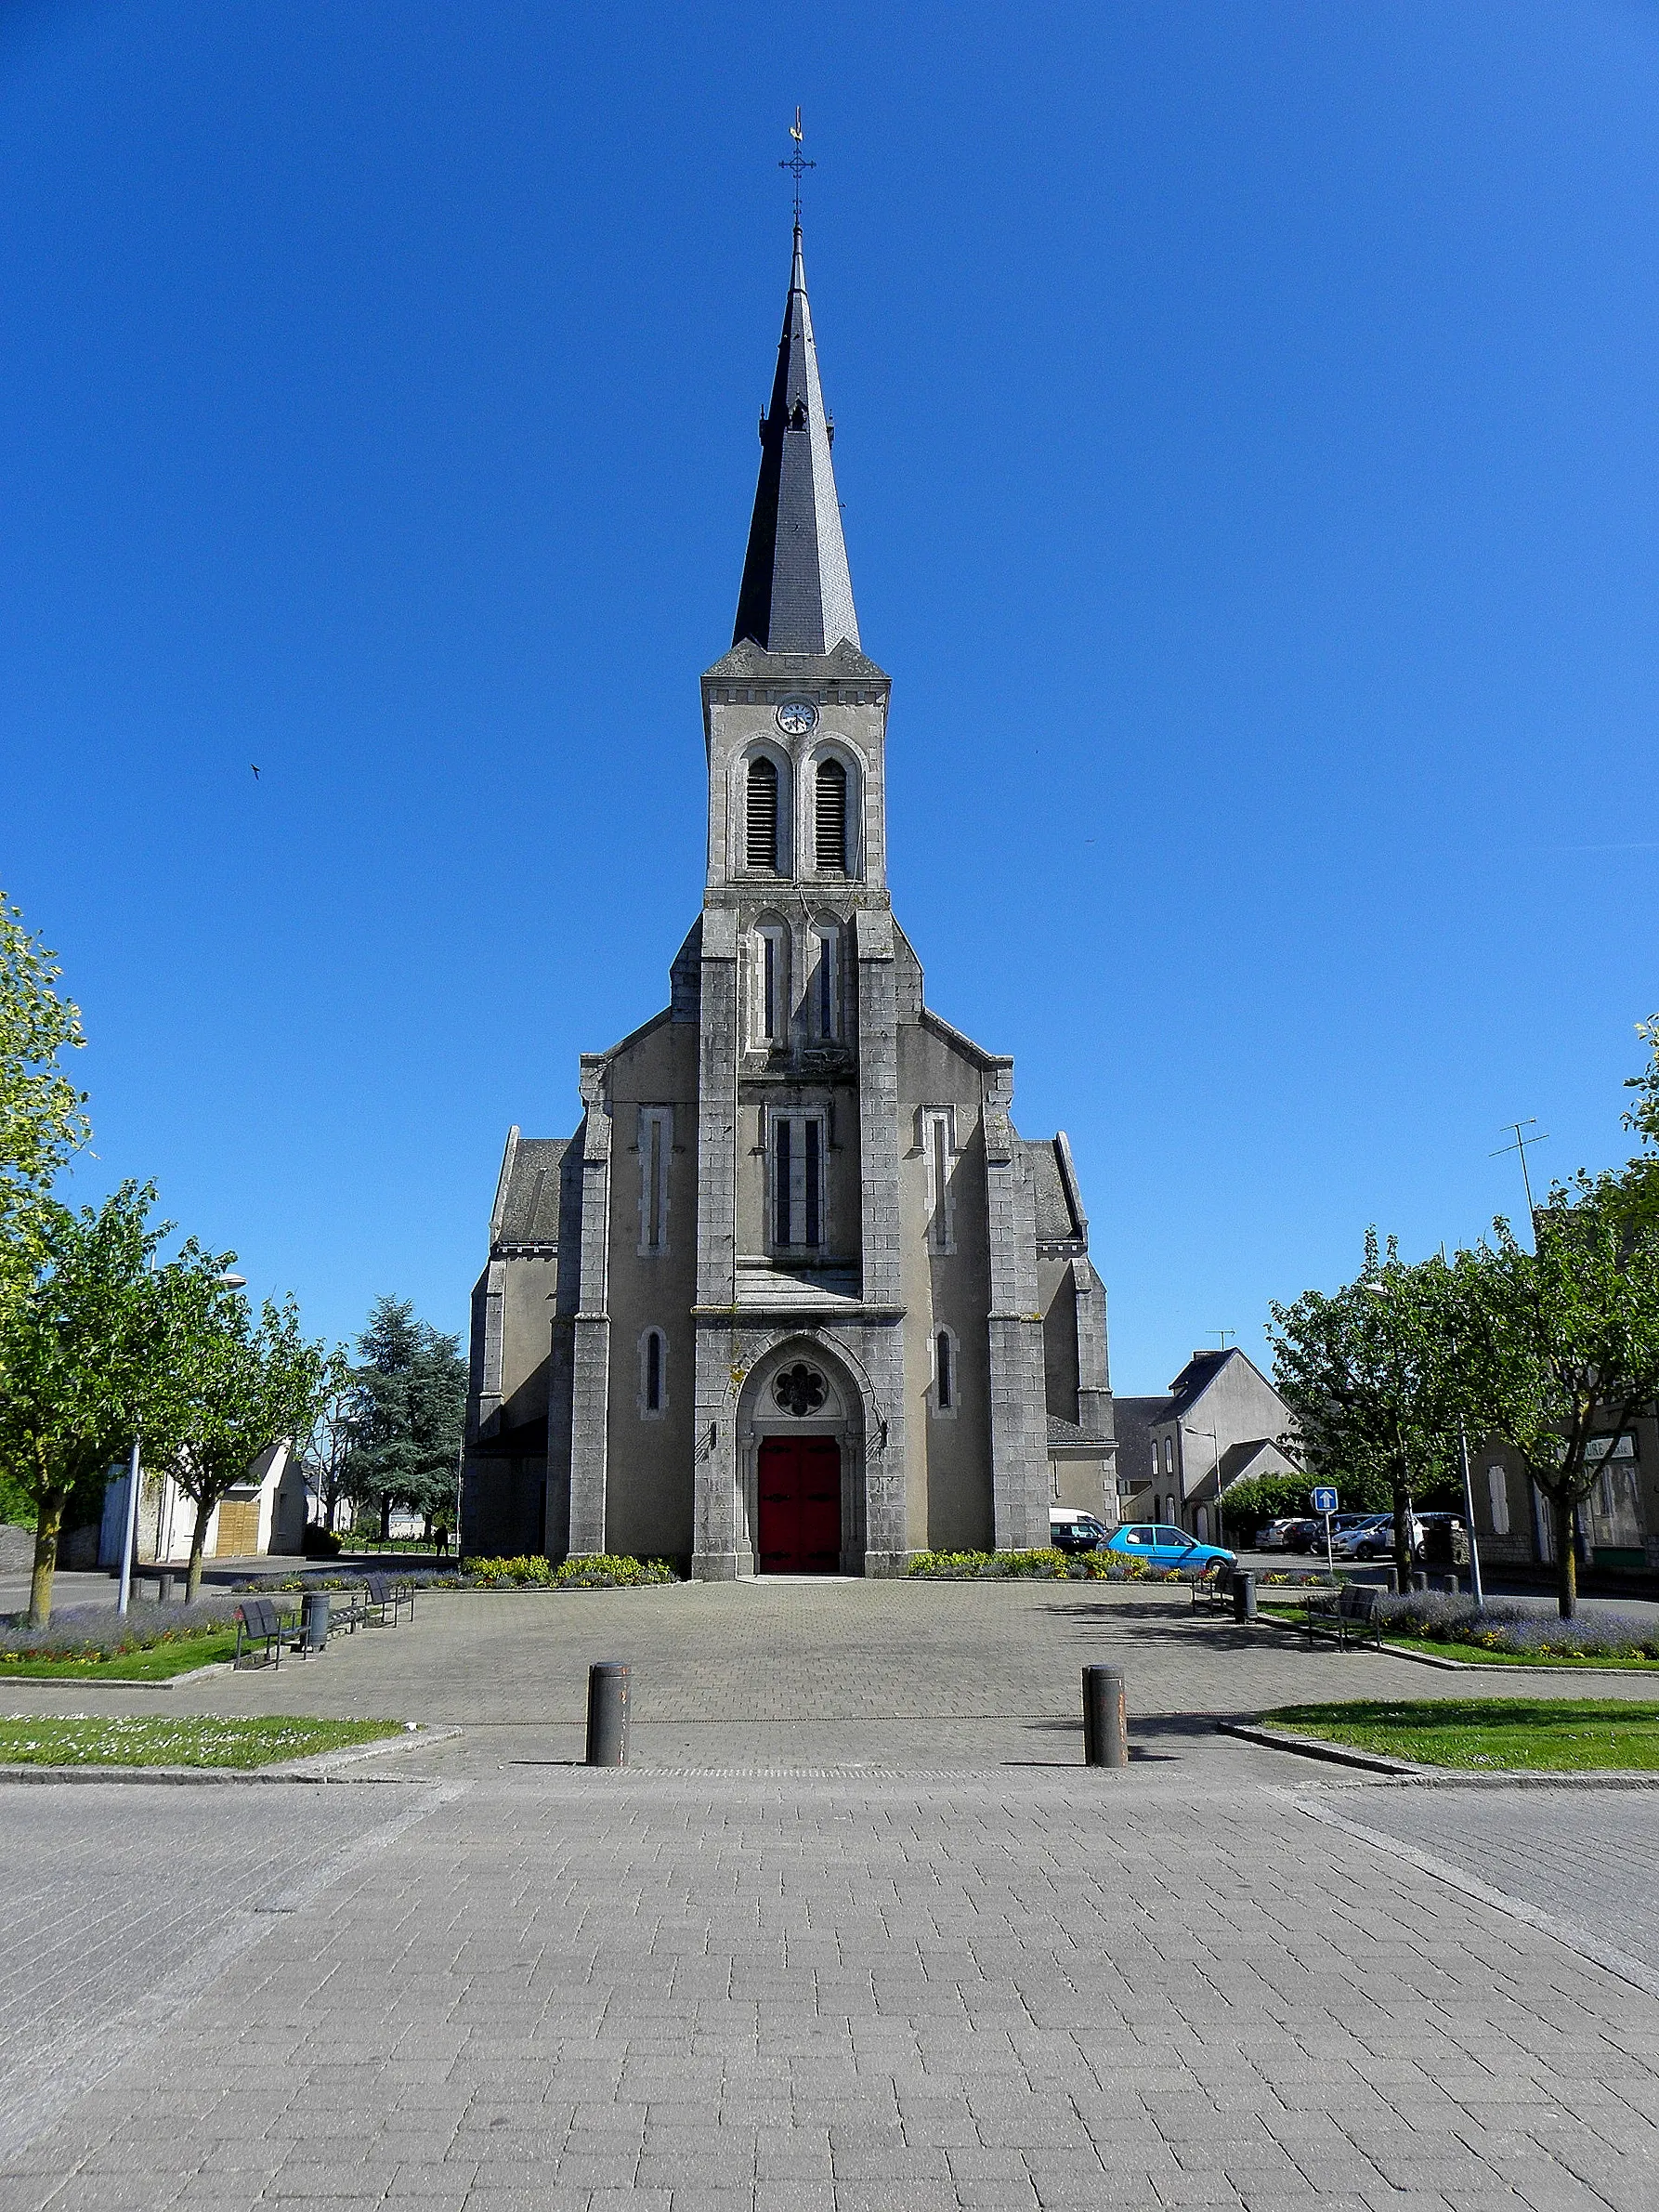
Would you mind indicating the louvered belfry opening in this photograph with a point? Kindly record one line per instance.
(831, 842)
(761, 824)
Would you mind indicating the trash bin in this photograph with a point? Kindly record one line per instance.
(1244, 1594)
(313, 1621)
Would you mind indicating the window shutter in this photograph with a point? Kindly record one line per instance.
(761, 822)
(832, 839)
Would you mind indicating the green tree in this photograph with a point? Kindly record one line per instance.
(411, 1414)
(79, 1353)
(239, 1386)
(1559, 1345)
(1369, 1373)
(42, 1125)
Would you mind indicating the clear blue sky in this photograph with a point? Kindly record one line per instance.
(1248, 440)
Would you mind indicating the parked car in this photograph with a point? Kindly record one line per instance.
(1072, 1531)
(1161, 1546)
(1275, 1536)
(1302, 1536)
(1341, 1525)
(1375, 1538)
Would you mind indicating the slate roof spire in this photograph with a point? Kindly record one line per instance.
(797, 594)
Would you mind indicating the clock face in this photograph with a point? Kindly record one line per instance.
(796, 718)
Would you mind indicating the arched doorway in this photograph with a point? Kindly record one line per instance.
(800, 1431)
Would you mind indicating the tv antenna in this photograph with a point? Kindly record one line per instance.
(1519, 1145)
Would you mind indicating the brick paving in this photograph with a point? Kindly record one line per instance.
(1020, 1985)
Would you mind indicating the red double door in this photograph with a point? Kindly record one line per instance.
(800, 1501)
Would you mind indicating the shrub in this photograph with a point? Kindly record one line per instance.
(319, 1542)
(1042, 1565)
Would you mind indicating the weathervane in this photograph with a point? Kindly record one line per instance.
(797, 161)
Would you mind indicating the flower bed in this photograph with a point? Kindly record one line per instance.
(529, 1571)
(1045, 1565)
(178, 1740)
(1517, 1632)
(99, 1632)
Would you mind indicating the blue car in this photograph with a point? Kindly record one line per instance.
(1159, 1544)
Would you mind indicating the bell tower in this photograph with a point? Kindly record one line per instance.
(798, 1120)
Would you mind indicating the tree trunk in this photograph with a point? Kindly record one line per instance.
(192, 1588)
(48, 1525)
(1566, 1559)
(386, 1520)
(1403, 1538)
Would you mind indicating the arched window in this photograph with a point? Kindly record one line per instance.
(653, 1374)
(830, 839)
(944, 1375)
(761, 820)
(826, 983)
(771, 983)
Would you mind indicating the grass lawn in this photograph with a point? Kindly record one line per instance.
(1475, 1654)
(154, 1665)
(1557, 1734)
(181, 1740)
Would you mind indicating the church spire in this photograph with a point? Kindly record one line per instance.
(797, 594)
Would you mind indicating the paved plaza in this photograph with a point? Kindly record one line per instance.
(857, 1932)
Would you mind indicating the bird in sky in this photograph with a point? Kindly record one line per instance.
(255, 772)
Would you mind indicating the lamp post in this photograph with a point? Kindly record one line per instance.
(130, 1534)
(1215, 1469)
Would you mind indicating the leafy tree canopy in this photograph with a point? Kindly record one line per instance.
(409, 1416)
(42, 1125)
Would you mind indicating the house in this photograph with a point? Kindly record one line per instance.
(1220, 1418)
(1618, 1522)
(267, 1514)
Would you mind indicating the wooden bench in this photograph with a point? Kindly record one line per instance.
(385, 1597)
(260, 1622)
(1350, 1615)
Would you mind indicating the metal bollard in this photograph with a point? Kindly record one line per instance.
(1106, 1718)
(1452, 1585)
(163, 1589)
(1418, 1579)
(607, 1714)
(1244, 1594)
(314, 1609)
(1390, 1581)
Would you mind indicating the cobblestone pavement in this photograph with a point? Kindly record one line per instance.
(825, 1673)
(646, 1992)
(1016, 1984)
(1588, 1855)
(133, 1896)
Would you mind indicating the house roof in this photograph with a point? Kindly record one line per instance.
(527, 1211)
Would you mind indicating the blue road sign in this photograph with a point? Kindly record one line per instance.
(1325, 1501)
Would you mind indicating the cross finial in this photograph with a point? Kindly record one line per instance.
(797, 161)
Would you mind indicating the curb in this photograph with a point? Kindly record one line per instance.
(1313, 1747)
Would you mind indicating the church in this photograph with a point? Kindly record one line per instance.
(796, 1297)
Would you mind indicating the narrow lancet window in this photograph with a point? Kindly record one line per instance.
(798, 1152)
(653, 1380)
(826, 990)
(761, 823)
(945, 1372)
(832, 824)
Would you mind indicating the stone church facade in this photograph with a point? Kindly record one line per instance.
(796, 1296)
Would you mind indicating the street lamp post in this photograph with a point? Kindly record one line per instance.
(1215, 1469)
(130, 1532)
